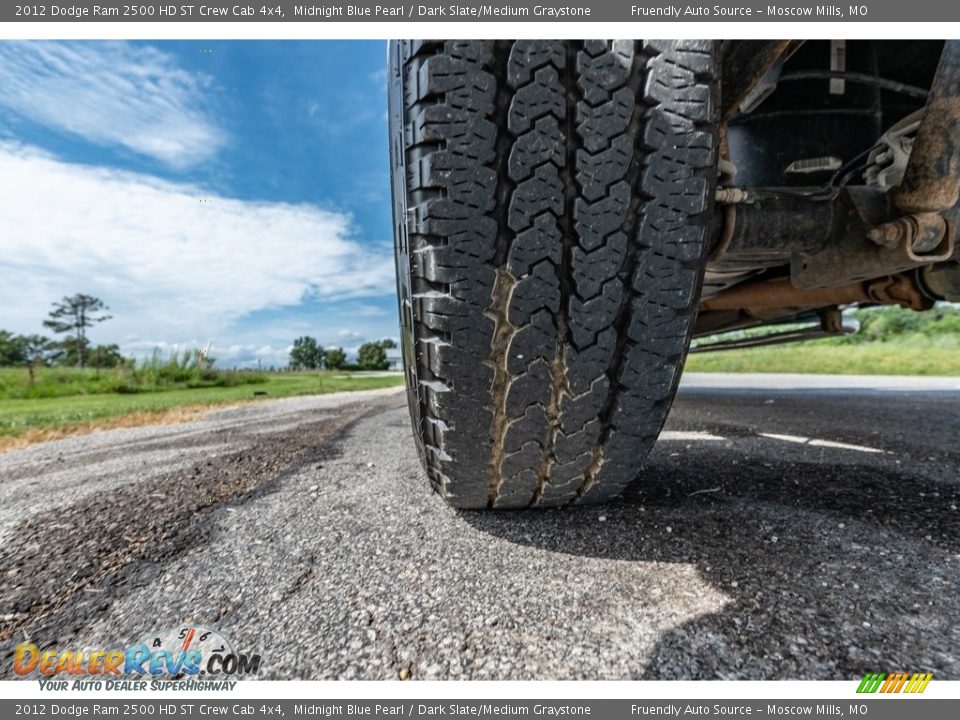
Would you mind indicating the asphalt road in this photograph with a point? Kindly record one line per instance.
(782, 528)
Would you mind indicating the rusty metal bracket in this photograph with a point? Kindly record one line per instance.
(901, 289)
(853, 256)
(930, 189)
(932, 179)
(921, 234)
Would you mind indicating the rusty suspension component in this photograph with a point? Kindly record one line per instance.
(932, 179)
(942, 281)
(901, 289)
(931, 183)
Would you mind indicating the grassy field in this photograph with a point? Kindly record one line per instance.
(82, 401)
(831, 357)
(891, 341)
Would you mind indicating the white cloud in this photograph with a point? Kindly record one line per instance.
(112, 94)
(168, 265)
(368, 311)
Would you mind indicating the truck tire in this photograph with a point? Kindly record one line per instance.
(551, 209)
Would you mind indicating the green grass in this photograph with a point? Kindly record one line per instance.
(83, 400)
(58, 382)
(891, 341)
(174, 372)
(922, 357)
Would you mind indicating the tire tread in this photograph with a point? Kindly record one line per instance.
(552, 226)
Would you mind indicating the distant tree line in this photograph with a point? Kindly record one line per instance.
(308, 354)
(71, 318)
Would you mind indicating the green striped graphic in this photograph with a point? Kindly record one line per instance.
(871, 682)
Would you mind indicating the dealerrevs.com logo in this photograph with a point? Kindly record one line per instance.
(182, 658)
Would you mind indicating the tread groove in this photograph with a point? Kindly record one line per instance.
(503, 287)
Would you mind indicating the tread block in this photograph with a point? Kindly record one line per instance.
(536, 339)
(596, 172)
(528, 55)
(603, 66)
(530, 388)
(597, 220)
(540, 241)
(596, 124)
(542, 192)
(531, 424)
(577, 412)
(541, 98)
(588, 318)
(590, 270)
(585, 366)
(543, 144)
(538, 290)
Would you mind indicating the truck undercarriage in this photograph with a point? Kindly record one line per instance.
(839, 178)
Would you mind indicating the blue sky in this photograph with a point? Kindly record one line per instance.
(227, 192)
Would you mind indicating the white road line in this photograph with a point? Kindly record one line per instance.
(689, 436)
(838, 383)
(822, 443)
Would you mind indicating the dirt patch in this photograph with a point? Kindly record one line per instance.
(172, 416)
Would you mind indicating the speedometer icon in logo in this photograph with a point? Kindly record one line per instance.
(199, 642)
